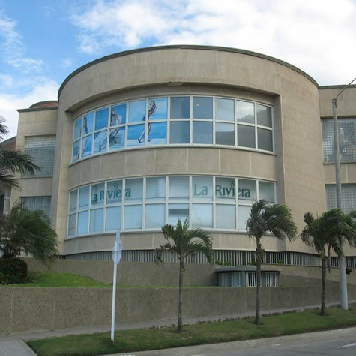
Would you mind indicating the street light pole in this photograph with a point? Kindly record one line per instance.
(342, 259)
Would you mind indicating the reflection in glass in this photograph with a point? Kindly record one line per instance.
(88, 123)
(245, 112)
(202, 108)
(86, 146)
(137, 110)
(180, 107)
(264, 115)
(101, 119)
(113, 218)
(246, 136)
(225, 109)
(117, 138)
(76, 151)
(77, 128)
(118, 115)
(100, 141)
(225, 134)
(203, 132)
(180, 132)
(265, 140)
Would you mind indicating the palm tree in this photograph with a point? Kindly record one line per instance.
(27, 231)
(275, 219)
(12, 162)
(185, 242)
(325, 233)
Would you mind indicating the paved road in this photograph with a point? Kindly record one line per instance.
(329, 343)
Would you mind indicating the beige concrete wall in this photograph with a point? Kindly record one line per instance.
(34, 122)
(297, 167)
(39, 309)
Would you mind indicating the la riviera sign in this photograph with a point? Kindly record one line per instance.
(198, 191)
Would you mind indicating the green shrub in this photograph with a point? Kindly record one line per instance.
(13, 271)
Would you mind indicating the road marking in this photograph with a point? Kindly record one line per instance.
(349, 345)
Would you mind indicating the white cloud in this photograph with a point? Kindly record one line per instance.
(9, 104)
(13, 48)
(316, 35)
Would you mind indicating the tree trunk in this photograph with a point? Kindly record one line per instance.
(329, 258)
(180, 295)
(323, 286)
(258, 279)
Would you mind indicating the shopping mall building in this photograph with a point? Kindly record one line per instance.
(141, 138)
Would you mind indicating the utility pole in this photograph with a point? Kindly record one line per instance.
(344, 303)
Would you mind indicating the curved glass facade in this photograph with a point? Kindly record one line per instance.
(210, 202)
(174, 120)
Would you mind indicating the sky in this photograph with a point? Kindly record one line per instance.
(43, 41)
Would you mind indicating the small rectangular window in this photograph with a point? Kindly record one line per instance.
(266, 191)
(202, 108)
(179, 188)
(180, 132)
(101, 119)
(155, 215)
(225, 216)
(133, 217)
(264, 115)
(180, 107)
(96, 220)
(225, 134)
(246, 136)
(245, 112)
(203, 132)
(113, 218)
(225, 109)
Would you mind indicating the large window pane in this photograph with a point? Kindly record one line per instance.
(156, 188)
(83, 223)
(113, 218)
(98, 194)
(137, 110)
(180, 107)
(246, 136)
(180, 132)
(88, 123)
(96, 220)
(114, 192)
(267, 191)
(243, 215)
(117, 138)
(245, 112)
(73, 200)
(225, 188)
(157, 133)
(157, 109)
(133, 190)
(72, 225)
(264, 115)
(118, 115)
(225, 109)
(155, 215)
(135, 134)
(202, 188)
(247, 190)
(225, 216)
(265, 141)
(177, 211)
(77, 128)
(202, 132)
(100, 139)
(83, 197)
(202, 215)
(76, 151)
(202, 108)
(133, 217)
(87, 146)
(101, 119)
(179, 188)
(225, 134)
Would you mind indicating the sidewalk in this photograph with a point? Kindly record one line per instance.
(14, 345)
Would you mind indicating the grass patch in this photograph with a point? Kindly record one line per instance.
(151, 339)
(53, 279)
